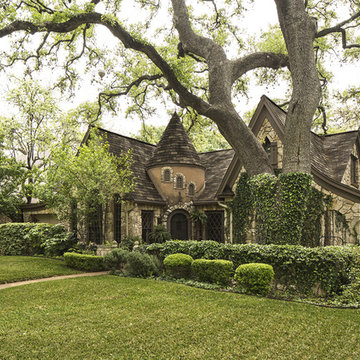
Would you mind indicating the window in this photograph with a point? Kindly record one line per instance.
(191, 189)
(271, 149)
(117, 220)
(167, 175)
(147, 221)
(179, 182)
(215, 225)
(354, 171)
(94, 222)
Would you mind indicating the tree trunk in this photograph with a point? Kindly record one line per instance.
(299, 31)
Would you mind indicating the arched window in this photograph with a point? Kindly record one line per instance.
(191, 189)
(179, 182)
(167, 175)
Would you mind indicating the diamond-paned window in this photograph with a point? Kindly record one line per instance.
(117, 220)
(147, 222)
(215, 225)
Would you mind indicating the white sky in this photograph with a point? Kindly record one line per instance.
(264, 12)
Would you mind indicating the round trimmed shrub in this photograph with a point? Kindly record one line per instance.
(255, 278)
(178, 265)
(212, 271)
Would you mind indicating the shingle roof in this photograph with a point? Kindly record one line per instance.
(216, 163)
(329, 153)
(174, 146)
(145, 190)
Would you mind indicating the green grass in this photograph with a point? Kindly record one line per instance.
(18, 268)
(110, 317)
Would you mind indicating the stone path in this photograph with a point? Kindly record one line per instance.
(18, 283)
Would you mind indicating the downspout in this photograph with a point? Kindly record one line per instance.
(231, 220)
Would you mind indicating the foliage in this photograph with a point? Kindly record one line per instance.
(159, 234)
(178, 265)
(129, 241)
(77, 185)
(59, 244)
(12, 175)
(278, 205)
(21, 268)
(242, 207)
(213, 271)
(141, 265)
(254, 278)
(116, 259)
(84, 262)
(295, 267)
(31, 239)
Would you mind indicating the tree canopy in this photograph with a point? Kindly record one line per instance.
(200, 60)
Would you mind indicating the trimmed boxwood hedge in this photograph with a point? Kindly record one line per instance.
(254, 278)
(30, 238)
(213, 271)
(294, 265)
(84, 262)
(178, 265)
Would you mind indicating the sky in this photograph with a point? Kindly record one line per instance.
(264, 12)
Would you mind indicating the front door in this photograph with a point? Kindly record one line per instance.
(179, 227)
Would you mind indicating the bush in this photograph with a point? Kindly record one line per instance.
(84, 262)
(213, 271)
(129, 241)
(254, 278)
(159, 234)
(294, 265)
(178, 265)
(59, 244)
(142, 265)
(28, 238)
(116, 259)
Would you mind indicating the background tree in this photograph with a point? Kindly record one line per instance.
(12, 175)
(77, 184)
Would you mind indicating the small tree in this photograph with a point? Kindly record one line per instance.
(199, 218)
(76, 185)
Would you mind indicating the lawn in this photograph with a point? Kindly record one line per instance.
(109, 317)
(17, 268)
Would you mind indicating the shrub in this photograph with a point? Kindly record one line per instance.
(178, 265)
(159, 234)
(294, 265)
(28, 238)
(254, 278)
(59, 244)
(129, 241)
(142, 265)
(84, 262)
(116, 259)
(213, 271)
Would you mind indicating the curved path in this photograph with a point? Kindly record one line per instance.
(18, 283)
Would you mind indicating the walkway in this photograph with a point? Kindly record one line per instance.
(18, 283)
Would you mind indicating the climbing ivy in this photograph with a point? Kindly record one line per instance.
(242, 207)
(287, 209)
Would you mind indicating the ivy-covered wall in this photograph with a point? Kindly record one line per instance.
(284, 210)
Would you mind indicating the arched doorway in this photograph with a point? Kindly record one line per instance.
(179, 225)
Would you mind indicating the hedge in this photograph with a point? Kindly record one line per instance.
(213, 271)
(295, 266)
(84, 262)
(254, 278)
(32, 239)
(178, 265)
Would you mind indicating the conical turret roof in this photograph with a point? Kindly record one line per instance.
(175, 146)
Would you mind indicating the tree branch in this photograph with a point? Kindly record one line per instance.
(256, 60)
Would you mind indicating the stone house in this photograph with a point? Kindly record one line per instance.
(172, 180)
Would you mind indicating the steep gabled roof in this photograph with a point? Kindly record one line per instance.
(174, 147)
(141, 151)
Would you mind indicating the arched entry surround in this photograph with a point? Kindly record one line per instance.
(179, 224)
